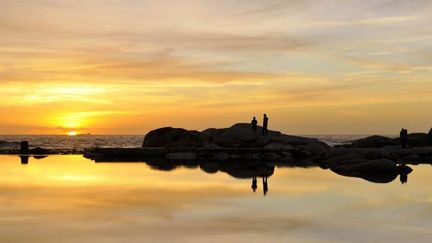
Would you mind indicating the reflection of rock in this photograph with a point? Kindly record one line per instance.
(182, 156)
(368, 166)
(379, 171)
(241, 170)
(247, 170)
(39, 150)
(400, 155)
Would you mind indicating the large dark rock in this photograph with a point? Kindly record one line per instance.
(174, 137)
(238, 136)
(372, 142)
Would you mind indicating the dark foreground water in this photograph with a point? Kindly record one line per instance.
(72, 199)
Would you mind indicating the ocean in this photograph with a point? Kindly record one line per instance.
(120, 141)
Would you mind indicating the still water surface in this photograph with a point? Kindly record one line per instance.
(72, 199)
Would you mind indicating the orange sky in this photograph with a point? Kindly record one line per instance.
(125, 67)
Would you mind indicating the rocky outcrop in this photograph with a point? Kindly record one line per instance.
(414, 140)
(238, 136)
(372, 142)
(173, 137)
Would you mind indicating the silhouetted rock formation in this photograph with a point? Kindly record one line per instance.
(372, 142)
(238, 136)
(417, 140)
(174, 137)
(413, 139)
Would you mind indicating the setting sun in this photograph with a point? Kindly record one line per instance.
(72, 133)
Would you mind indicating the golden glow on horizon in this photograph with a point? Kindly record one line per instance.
(72, 133)
(110, 75)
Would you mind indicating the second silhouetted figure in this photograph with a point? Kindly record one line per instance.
(404, 137)
(265, 125)
(254, 124)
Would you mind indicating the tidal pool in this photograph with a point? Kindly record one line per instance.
(72, 199)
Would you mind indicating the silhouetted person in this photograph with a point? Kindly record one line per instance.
(265, 186)
(404, 137)
(24, 159)
(254, 184)
(24, 147)
(429, 138)
(403, 178)
(254, 124)
(265, 125)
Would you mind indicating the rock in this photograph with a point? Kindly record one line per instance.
(412, 159)
(313, 149)
(278, 147)
(416, 140)
(237, 136)
(378, 166)
(174, 137)
(286, 158)
(344, 159)
(39, 150)
(372, 142)
(221, 156)
(210, 167)
(212, 133)
(182, 156)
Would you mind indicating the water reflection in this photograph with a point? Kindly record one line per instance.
(257, 169)
(71, 199)
(25, 158)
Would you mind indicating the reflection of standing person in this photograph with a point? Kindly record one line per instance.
(403, 178)
(254, 124)
(265, 185)
(24, 159)
(265, 125)
(254, 184)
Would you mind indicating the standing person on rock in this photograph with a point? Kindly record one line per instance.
(404, 137)
(429, 138)
(254, 124)
(265, 125)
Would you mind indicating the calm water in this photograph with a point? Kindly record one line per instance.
(72, 199)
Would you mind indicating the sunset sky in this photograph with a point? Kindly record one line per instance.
(128, 66)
